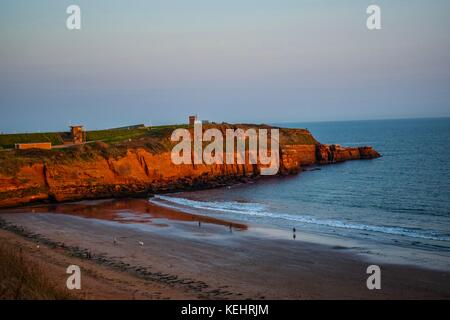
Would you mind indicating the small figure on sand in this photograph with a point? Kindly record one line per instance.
(293, 233)
(115, 241)
(199, 224)
(231, 228)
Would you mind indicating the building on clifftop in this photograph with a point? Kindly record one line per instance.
(78, 134)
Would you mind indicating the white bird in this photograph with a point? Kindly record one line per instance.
(141, 243)
(115, 241)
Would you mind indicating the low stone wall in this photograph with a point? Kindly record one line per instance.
(38, 145)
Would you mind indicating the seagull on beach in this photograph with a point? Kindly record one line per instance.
(141, 243)
(115, 241)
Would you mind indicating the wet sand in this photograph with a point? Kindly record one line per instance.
(183, 259)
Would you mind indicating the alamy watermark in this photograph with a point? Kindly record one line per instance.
(73, 21)
(374, 20)
(190, 149)
(374, 280)
(74, 280)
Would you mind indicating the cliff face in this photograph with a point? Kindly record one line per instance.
(95, 172)
(335, 153)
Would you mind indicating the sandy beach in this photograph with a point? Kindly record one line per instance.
(161, 253)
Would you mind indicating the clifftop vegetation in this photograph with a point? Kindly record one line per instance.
(113, 143)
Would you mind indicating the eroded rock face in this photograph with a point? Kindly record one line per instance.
(27, 186)
(326, 154)
(140, 172)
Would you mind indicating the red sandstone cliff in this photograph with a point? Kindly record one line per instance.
(94, 171)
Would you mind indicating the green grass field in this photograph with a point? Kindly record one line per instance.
(156, 136)
(111, 136)
(8, 140)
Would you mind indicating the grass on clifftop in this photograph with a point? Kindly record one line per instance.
(111, 136)
(9, 140)
(22, 279)
(115, 135)
(114, 143)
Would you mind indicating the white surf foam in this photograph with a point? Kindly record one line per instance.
(260, 210)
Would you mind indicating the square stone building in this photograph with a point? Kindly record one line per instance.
(78, 134)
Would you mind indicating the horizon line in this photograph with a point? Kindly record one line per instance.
(245, 122)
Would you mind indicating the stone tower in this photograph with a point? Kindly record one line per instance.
(192, 120)
(78, 135)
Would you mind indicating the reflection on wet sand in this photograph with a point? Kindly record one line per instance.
(128, 211)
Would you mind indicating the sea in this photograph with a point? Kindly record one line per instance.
(395, 208)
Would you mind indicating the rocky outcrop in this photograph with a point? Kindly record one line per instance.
(326, 154)
(91, 172)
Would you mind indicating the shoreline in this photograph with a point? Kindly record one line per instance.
(222, 262)
(366, 246)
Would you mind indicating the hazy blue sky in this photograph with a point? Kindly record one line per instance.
(143, 61)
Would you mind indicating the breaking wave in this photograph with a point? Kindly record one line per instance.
(260, 210)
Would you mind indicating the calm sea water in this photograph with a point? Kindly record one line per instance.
(400, 201)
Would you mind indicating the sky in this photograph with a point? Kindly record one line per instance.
(258, 61)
